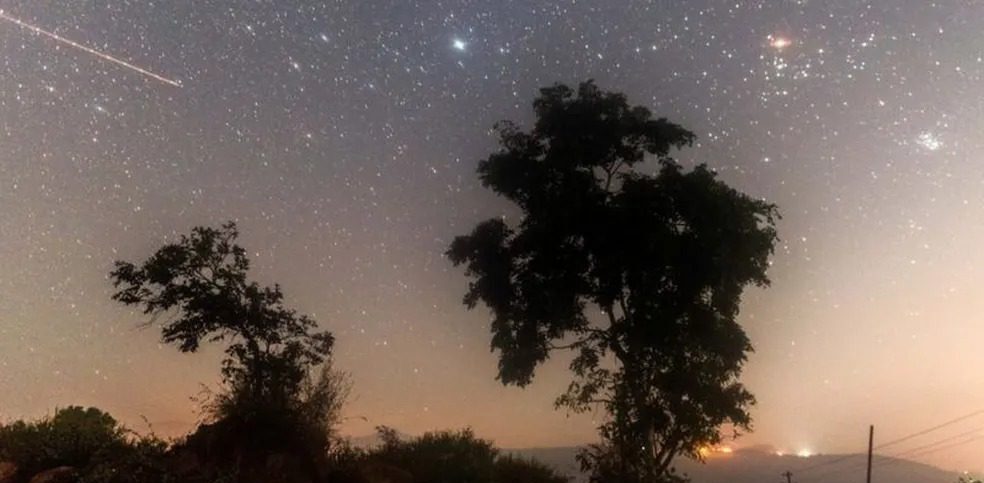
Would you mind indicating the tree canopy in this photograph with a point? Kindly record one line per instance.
(198, 289)
(639, 273)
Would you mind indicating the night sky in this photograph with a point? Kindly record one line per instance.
(343, 138)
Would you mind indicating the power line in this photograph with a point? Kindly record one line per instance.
(923, 450)
(931, 451)
(930, 445)
(890, 443)
(941, 448)
(929, 430)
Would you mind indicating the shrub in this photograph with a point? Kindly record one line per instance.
(440, 457)
(73, 437)
(457, 457)
(515, 469)
(89, 440)
(141, 460)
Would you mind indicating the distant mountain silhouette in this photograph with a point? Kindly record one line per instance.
(758, 466)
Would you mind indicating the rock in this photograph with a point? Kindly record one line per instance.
(61, 474)
(8, 471)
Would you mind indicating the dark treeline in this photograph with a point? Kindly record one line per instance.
(88, 445)
(639, 274)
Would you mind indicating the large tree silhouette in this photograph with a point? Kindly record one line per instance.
(640, 275)
(198, 289)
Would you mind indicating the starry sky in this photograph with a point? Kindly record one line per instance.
(343, 137)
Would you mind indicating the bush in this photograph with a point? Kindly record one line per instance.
(345, 463)
(440, 457)
(141, 460)
(73, 437)
(457, 457)
(103, 451)
(306, 421)
(514, 469)
(244, 435)
(89, 440)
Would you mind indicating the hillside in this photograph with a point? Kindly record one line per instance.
(753, 466)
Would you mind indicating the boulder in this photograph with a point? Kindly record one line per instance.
(61, 474)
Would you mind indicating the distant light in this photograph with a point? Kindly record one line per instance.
(711, 451)
(780, 453)
(804, 453)
(459, 45)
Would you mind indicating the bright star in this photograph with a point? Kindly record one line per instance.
(459, 45)
(779, 43)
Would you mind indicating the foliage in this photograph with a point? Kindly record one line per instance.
(639, 274)
(514, 469)
(322, 398)
(606, 464)
(306, 425)
(102, 451)
(457, 457)
(345, 462)
(87, 439)
(141, 460)
(283, 398)
(199, 285)
(439, 457)
(73, 437)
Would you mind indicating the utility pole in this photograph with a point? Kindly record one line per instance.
(871, 446)
(789, 477)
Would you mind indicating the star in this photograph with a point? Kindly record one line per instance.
(779, 42)
(459, 45)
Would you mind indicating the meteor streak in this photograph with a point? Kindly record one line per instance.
(101, 55)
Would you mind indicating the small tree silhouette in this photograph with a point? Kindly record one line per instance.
(198, 288)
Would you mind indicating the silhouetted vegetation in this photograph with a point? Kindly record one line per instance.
(639, 274)
(89, 446)
(281, 396)
(91, 442)
(202, 282)
(522, 470)
(456, 457)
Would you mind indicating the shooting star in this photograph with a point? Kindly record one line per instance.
(101, 55)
